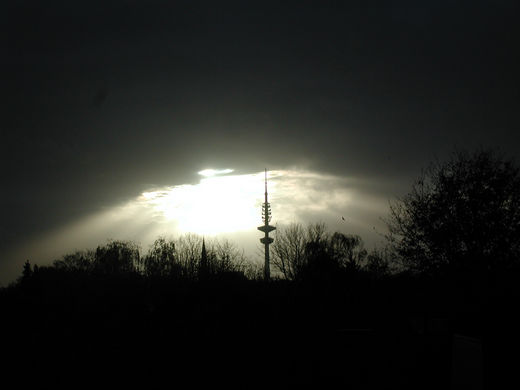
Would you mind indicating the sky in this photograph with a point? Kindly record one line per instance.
(342, 101)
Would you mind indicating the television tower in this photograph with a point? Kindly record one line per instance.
(266, 228)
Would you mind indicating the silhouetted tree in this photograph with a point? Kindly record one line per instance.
(116, 257)
(219, 256)
(27, 271)
(188, 250)
(320, 264)
(288, 250)
(227, 257)
(160, 260)
(378, 263)
(348, 250)
(461, 214)
(298, 253)
(253, 270)
(82, 261)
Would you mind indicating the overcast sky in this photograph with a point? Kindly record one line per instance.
(104, 100)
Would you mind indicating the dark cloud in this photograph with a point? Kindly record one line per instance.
(105, 99)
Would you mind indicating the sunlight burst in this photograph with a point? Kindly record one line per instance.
(218, 204)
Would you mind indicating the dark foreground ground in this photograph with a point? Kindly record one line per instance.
(112, 332)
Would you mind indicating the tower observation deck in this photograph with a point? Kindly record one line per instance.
(266, 228)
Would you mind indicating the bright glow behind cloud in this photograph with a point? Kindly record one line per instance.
(215, 205)
(214, 172)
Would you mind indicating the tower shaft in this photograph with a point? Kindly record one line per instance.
(267, 266)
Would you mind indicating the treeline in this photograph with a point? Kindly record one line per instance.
(312, 252)
(298, 253)
(186, 311)
(189, 257)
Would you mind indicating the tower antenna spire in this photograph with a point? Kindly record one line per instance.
(266, 228)
(266, 183)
